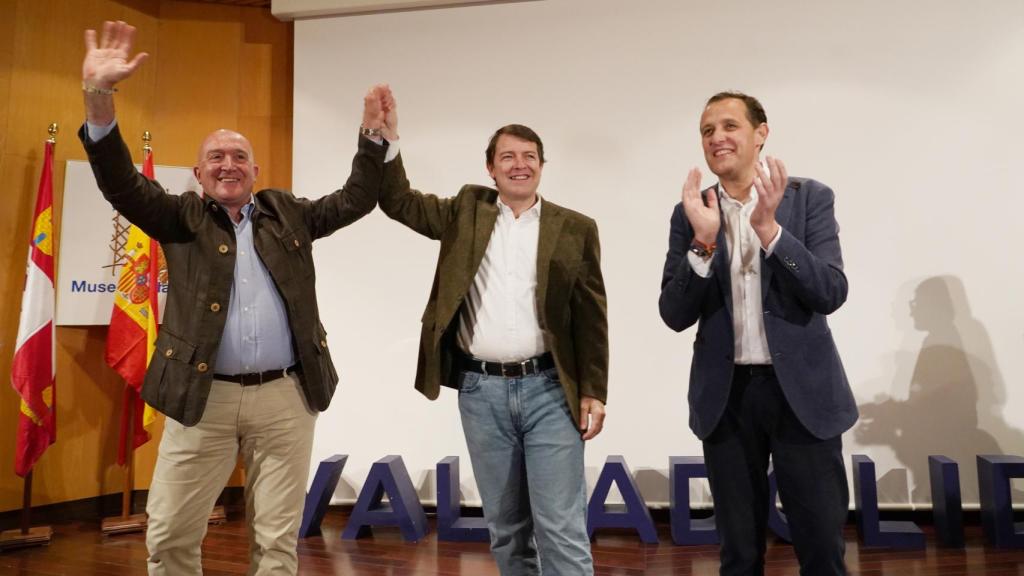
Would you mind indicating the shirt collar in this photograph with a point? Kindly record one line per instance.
(246, 212)
(533, 212)
(728, 202)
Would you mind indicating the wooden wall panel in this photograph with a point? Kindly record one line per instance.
(254, 83)
(45, 87)
(12, 173)
(275, 45)
(9, 8)
(15, 173)
(199, 66)
(209, 67)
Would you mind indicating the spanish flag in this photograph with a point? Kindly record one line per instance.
(131, 337)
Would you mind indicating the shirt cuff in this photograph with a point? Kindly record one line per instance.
(771, 245)
(392, 152)
(97, 132)
(699, 265)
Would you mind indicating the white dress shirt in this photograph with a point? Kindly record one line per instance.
(742, 243)
(499, 323)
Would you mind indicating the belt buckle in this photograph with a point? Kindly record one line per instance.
(252, 379)
(523, 365)
(508, 372)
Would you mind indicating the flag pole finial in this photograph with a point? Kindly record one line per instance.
(53, 129)
(146, 138)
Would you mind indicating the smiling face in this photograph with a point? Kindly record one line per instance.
(731, 142)
(515, 167)
(226, 169)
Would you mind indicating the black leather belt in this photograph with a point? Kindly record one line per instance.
(254, 378)
(527, 367)
(754, 370)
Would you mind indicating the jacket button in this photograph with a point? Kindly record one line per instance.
(215, 307)
(202, 367)
(169, 352)
(223, 248)
(323, 343)
(296, 243)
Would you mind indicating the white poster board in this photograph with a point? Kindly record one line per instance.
(87, 274)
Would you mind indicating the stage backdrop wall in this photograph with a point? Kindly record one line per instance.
(909, 110)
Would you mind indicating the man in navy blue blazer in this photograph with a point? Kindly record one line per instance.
(755, 262)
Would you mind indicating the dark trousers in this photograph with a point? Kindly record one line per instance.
(809, 472)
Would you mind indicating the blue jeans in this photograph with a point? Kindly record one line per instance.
(527, 458)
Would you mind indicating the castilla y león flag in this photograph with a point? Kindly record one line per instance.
(33, 369)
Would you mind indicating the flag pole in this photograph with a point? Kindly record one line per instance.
(26, 535)
(127, 522)
(26, 504)
(129, 463)
(129, 475)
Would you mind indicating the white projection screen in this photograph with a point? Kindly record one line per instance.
(911, 111)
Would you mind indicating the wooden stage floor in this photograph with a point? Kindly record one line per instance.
(78, 549)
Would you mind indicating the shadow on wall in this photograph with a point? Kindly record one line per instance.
(955, 397)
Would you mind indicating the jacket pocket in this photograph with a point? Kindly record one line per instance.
(327, 378)
(175, 376)
(299, 253)
(320, 339)
(173, 347)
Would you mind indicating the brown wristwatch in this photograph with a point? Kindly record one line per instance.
(702, 250)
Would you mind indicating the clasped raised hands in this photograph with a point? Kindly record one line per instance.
(380, 110)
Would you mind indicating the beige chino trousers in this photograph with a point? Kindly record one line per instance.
(271, 426)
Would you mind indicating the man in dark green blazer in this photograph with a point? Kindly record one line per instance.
(517, 322)
(241, 366)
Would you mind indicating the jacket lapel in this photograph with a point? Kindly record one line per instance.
(454, 278)
(551, 220)
(483, 227)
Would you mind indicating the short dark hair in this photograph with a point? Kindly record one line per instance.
(519, 131)
(755, 112)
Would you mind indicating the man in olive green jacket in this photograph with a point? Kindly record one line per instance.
(517, 322)
(241, 366)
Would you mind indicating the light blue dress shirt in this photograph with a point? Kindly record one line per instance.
(256, 334)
